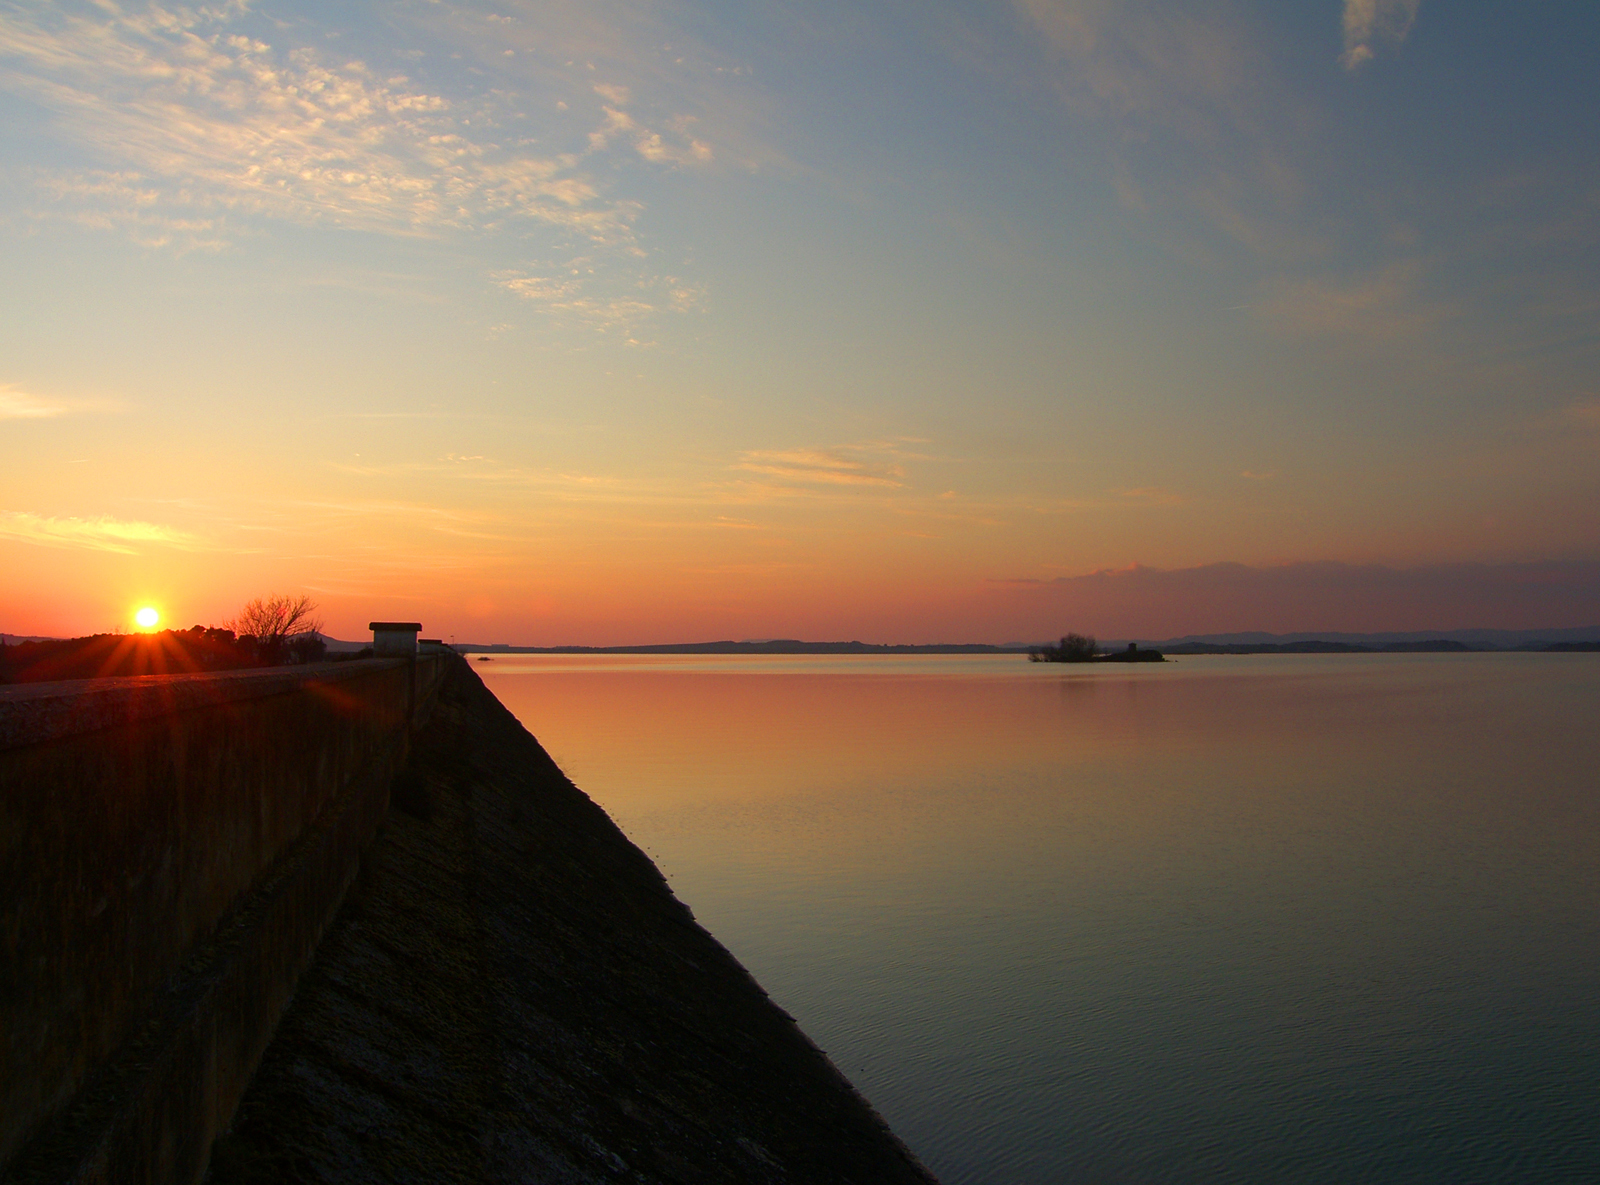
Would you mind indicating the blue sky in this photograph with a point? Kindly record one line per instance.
(633, 321)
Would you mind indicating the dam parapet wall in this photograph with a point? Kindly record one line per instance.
(171, 850)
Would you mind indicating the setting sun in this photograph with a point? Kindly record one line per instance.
(146, 617)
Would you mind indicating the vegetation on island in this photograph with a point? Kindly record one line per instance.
(1073, 648)
(1083, 648)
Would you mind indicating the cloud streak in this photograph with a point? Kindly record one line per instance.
(570, 297)
(19, 405)
(103, 533)
(1382, 305)
(1368, 23)
(815, 466)
(1135, 58)
(1180, 88)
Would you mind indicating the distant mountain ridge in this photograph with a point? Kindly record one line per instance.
(1307, 642)
(769, 646)
(1472, 639)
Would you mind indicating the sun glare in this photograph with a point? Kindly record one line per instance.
(146, 617)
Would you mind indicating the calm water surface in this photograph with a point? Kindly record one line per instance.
(1330, 918)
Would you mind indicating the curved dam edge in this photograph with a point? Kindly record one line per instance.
(511, 992)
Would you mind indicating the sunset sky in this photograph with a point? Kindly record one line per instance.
(667, 320)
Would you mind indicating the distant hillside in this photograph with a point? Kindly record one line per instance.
(1431, 646)
(340, 646)
(1333, 642)
(1243, 643)
(769, 646)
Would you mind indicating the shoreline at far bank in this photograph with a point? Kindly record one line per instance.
(1445, 642)
(774, 646)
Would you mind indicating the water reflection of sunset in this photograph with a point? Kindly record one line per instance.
(1149, 755)
(670, 729)
(1039, 915)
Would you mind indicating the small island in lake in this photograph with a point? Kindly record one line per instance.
(1083, 648)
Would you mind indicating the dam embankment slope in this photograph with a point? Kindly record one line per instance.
(511, 992)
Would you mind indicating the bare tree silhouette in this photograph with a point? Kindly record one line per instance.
(281, 625)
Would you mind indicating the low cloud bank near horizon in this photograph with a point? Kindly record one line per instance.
(1328, 596)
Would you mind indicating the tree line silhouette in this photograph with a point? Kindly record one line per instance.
(268, 632)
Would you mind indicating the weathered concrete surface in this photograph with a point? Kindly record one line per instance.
(171, 850)
(32, 713)
(512, 993)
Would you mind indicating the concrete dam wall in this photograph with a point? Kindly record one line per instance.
(350, 923)
(171, 850)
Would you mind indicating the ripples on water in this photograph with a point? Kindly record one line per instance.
(1321, 918)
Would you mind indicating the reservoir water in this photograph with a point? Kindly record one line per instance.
(1331, 918)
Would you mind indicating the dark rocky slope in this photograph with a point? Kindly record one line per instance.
(512, 993)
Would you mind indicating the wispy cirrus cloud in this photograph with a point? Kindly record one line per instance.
(601, 298)
(1137, 57)
(1149, 496)
(571, 297)
(1368, 23)
(676, 146)
(205, 117)
(110, 199)
(200, 122)
(1184, 83)
(206, 124)
(1381, 305)
(20, 405)
(102, 533)
(823, 467)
